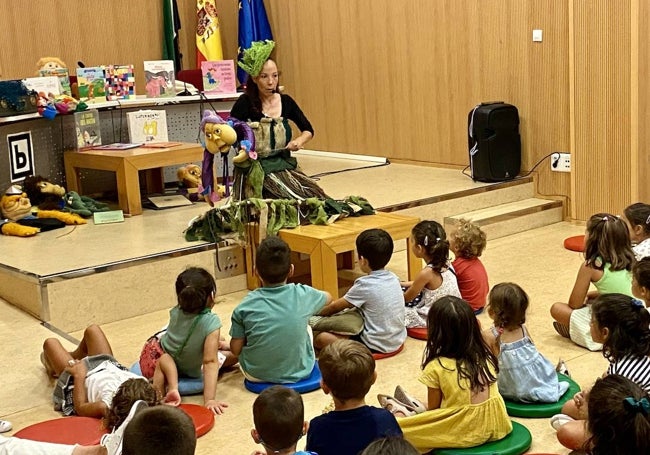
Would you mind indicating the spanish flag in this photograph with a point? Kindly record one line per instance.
(208, 33)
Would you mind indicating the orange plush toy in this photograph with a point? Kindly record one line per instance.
(18, 220)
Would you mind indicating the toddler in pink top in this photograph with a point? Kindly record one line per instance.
(468, 242)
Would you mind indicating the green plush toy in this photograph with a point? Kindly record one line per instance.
(83, 205)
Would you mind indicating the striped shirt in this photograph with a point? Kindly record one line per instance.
(636, 369)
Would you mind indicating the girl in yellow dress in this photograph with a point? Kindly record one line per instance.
(464, 408)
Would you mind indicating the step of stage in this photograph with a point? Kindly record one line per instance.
(512, 217)
(467, 200)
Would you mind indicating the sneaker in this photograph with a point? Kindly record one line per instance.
(560, 419)
(562, 368)
(404, 398)
(113, 441)
(395, 407)
(5, 426)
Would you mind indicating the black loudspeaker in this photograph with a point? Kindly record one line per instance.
(494, 142)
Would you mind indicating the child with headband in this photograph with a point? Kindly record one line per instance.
(608, 263)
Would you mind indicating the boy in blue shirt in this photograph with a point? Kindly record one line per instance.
(378, 296)
(348, 371)
(270, 327)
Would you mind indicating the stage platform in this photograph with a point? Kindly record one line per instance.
(74, 276)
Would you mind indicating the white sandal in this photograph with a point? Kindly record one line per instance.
(5, 426)
(560, 419)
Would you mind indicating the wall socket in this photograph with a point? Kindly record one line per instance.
(231, 261)
(561, 162)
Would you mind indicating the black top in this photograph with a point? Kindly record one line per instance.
(245, 110)
(349, 432)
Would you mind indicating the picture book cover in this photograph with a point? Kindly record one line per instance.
(64, 78)
(147, 126)
(91, 83)
(87, 128)
(120, 82)
(160, 79)
(46, 84)
(218, 76)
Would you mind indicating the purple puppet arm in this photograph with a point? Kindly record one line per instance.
(244, 132)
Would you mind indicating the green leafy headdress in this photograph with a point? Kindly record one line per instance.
(254, 57)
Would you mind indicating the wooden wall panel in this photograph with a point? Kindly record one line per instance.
(642, 152)
(601, 117)
(132, 34)
(381, 78)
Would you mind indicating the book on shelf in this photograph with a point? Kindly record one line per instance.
(160, 79)
(91, 83)
(45, 84)
(218, 76)
(120, 82)
(117, 146)
(147, 126)
(64, 78)
(87, 129)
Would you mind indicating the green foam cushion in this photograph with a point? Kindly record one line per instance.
(516, 443)
(539, 410)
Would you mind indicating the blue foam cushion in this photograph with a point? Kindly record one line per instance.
(516, 443)
(539, 410)
(312, 382)
(186, 386)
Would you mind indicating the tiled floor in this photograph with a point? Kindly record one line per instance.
(534, 259)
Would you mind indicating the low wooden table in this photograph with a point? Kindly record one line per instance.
(126, 164)
(323, 243)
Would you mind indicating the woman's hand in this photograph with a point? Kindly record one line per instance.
(294, 145)
(217, 407)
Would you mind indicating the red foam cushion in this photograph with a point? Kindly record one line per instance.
(202, 417)
(576, 243)
(419, 333)
(384, 355)
(66, 430)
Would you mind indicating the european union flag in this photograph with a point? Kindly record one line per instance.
(253, 26)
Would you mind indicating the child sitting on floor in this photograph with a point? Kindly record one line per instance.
(608, 262)
(641, 280)
(377, 295)
(464, 407)
(619, 418)
(468, 242)
(270, 327)
(190, 346)
(348, 370)
(622, 325)
(637, 220)
(429, 242)
(524, 374)
(279, 417)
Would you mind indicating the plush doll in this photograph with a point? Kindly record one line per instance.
(219, 136)
(49, 63)
(189, 180)
(48, 196)
(16, 210)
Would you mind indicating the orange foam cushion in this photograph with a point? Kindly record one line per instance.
(66, 430)
(202, 417)
(385, 355)
(576, 243)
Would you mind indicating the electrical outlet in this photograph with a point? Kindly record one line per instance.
(231, 261)
(561, 162)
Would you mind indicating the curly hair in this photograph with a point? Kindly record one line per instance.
(128, 392)
(468, 239)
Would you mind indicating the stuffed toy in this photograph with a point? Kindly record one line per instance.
(49, 63)
(48, 196)
(189, 180)
(16, 209)
(219, 137)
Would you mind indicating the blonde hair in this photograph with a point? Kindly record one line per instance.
(469, 240)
